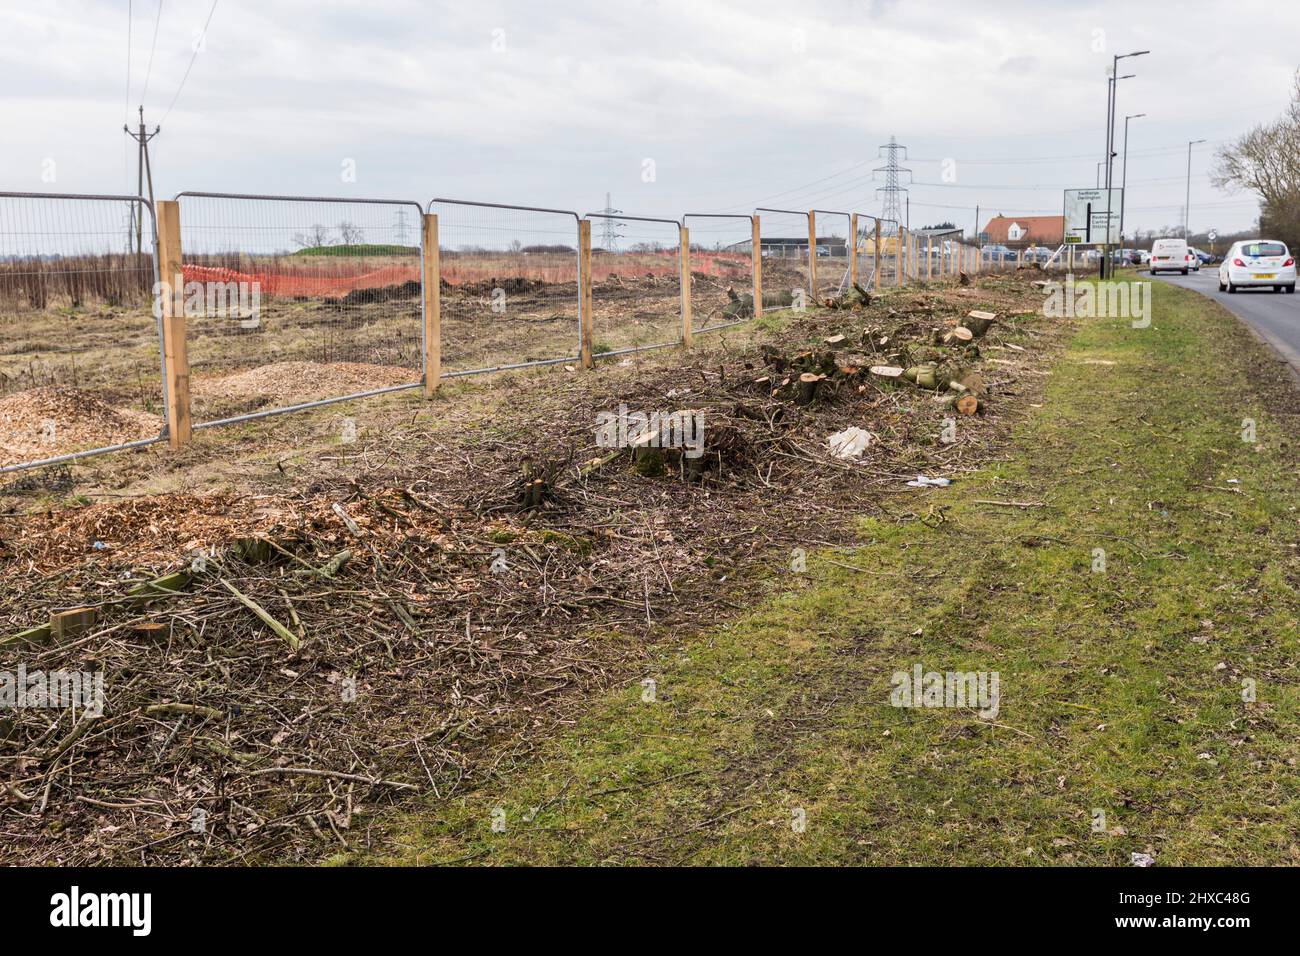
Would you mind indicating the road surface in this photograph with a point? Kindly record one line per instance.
(1274, 315)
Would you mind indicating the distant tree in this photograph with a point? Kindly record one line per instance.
(318, 235)
(1266, 161)
(350, 234)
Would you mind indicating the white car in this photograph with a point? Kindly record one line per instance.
(1257, 263)
(1173, 255)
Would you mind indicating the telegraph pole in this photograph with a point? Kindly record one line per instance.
(143, 170)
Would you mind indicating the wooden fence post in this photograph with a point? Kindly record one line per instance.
(929, 257)
(684, 241)
(432, 307)
(175, 351)
(584, 294)
(876, 275)
(898, 256)
(812, 257)
(853, 248)
(757, 250)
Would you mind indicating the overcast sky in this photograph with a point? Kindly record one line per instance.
(735, 104)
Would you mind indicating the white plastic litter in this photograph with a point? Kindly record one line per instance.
(924, 481)
(850, 443)
(1141, 859)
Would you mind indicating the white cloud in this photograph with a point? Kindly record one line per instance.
(734, 100)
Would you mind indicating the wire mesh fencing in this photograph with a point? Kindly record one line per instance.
(889, 253)
(785, 248)
(722, 269)
(865, 250)
(80, 359)
(510, 294)
(636, 287)
(832, 248)
(295, 301)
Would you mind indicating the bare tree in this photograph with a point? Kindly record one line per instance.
(350, 234)
(1266, 161)
(318, 235)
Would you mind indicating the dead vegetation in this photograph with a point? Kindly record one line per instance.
(281, 666)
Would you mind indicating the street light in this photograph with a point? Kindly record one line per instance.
(1187, 202)
(1110, 140)
(1123, 189)
(1110, 155)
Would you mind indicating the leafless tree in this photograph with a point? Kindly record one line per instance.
(1266, 161)
(318, 235)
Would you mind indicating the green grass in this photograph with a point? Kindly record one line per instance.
(1121, 691)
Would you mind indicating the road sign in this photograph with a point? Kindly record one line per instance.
(1212, 235)
(1085, 216)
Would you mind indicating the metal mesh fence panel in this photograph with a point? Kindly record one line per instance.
(889, 253)
(722, 268)
(80, 359)
(510, 293)
(865, 250)
(833, 247)
(636, 288)
(785, 255)
(296, 301)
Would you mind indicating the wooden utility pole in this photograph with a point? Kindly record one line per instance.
(142, 170)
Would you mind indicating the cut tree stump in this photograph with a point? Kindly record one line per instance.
(809, 382)
(979, 322)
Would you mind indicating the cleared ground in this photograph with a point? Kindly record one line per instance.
(455, 671)
(1148, 707)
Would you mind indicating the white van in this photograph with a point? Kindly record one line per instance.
(1171, 255)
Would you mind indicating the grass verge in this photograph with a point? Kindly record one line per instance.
(1129, 569)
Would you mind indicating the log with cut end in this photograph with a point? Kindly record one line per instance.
(834, 339)
(967, 403)
(925, 376)
(959, 334)
(886, 371)
(972, 382)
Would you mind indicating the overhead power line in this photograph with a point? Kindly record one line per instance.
(198, 43)
(152, 46)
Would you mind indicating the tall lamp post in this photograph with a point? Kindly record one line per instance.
(1123, 188)
(1187, 202)
(1110, 142)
